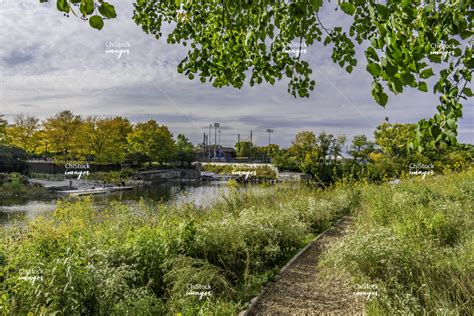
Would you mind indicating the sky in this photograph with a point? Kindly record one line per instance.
(50, 63)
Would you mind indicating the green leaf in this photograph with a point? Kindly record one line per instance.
(63, 6)
(383, 99)
(96, 22)
(398, 85)
(371, 53)
(467, 92)
(107, 10)
(316, 4)
(383, 11)
(374, 69)
(423, 87)
(390, 69)
(435, 131)
(348, 8)
(435, 58)
(87, 7)
(451, 124)
(378, 94)
(425, 74)
(406, 3)
(408, 78)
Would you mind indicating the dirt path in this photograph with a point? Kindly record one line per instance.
(300, 289)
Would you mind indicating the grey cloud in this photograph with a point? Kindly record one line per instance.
(18, 57)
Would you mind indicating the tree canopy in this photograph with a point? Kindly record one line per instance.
(153, 140)
(3, 129)
(405, 43)
(184, 149)
(24, 133)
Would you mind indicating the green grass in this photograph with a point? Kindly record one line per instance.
(415, 243)
(140, 260)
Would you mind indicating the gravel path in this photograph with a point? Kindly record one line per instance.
(300, 289)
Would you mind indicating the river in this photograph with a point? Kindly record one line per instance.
(199, 194)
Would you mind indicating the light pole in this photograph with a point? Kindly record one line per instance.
(209, 141)
(216, 126)
(269, 131)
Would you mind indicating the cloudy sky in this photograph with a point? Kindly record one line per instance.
(50, 63)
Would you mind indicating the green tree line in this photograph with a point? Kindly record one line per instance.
(387, 157)
(103, 140)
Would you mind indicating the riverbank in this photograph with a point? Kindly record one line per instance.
(15, 187)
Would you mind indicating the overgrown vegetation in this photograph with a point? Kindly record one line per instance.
(14, 186)
(413, 242)
(144, 259)
(387, 158)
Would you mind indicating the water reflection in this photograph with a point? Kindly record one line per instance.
(28, 210)
(199, 194)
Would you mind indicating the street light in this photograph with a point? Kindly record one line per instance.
(269, 131)
(216, 126)
(209, 141)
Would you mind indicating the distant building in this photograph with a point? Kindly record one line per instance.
(215, 152)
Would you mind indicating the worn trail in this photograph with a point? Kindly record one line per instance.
(301, 289)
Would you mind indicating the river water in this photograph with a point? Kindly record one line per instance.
(199, 194)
